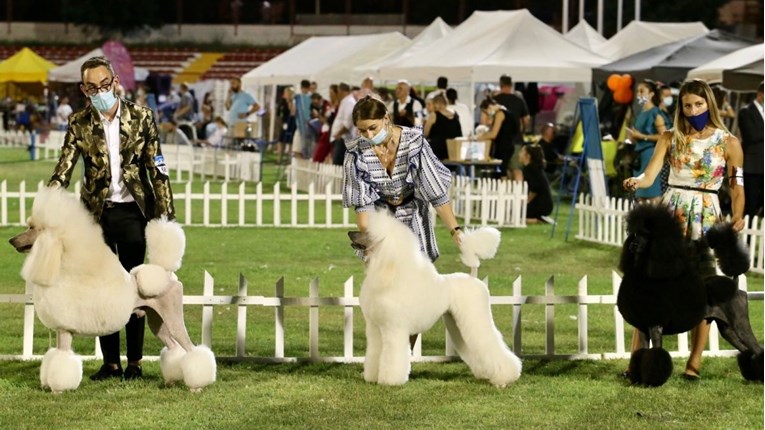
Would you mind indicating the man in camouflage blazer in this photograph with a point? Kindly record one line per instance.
(142, 163)
(125, 184)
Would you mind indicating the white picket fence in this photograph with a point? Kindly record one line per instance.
(187, 161)
(490, 201)
(227, 164)
(314, 302)
(479, 203)
(303, 173)
(47, 145)
(603, 220)
(249, 209)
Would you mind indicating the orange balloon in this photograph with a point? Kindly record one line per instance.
(626, 81)
(613, 82)
(623, 96)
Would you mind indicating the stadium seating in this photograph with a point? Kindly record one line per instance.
(163, 60)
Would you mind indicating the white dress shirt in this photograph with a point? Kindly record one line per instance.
(118, 192)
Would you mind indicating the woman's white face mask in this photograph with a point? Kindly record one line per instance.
(380, 137)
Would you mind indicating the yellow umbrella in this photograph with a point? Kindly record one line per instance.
(25, 66)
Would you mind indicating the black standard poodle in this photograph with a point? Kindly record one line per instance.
(663, 292)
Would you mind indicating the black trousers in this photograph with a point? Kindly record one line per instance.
(753, 194)
(124, 229)
(338, 151)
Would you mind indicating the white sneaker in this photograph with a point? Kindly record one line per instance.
(547, 219)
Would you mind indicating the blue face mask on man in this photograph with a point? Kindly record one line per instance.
(103, 101)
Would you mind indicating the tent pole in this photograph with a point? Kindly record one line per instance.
(471, 105)
(619, 13)
(272, 113)
(581, 10)
(564, 25)
(637, 10)
(600, 17)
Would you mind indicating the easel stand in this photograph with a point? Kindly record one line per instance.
(591, 158)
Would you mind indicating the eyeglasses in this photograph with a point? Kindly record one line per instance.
(92, 90)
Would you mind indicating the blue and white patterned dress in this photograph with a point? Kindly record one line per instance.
(418, 179)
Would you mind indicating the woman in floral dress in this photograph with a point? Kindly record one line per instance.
(700, 149)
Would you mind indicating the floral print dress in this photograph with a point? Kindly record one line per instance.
(701, 166)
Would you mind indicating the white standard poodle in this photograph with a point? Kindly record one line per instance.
(403, 294)
(80, 288)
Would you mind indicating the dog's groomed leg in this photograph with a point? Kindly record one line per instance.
(61, 369)
(483, 349)
(372, 357)
(395, 359)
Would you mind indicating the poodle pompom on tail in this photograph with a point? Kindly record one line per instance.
(479, 244)
(731, 252)
(165, 242)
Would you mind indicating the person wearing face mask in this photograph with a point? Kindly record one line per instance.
(125, 185)
(667, 104)
(393, 168)
(650, 123)
(700, 151)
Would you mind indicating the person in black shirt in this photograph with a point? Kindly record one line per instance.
(518, 114)
(540, 204)
(553, 159)
(500, 134)
(406, 110)
(442, 124)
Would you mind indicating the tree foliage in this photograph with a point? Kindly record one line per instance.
(669, 11)
(111, 18)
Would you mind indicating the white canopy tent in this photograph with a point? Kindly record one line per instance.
(740, 70)
(70, 72)
(638, 36)
(490, 44)
(585, 36)
(324, 59)
(435, 31)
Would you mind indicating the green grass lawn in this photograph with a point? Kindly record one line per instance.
(555, 394)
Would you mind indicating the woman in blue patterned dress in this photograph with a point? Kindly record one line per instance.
(393, 167)
(700, 150)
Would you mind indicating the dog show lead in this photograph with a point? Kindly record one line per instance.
(700, 149)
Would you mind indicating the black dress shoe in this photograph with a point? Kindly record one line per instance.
(105, 372)
(133, 372)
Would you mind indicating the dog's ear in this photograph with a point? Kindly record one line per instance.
(44, 261)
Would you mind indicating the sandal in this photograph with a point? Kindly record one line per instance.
(691, 373)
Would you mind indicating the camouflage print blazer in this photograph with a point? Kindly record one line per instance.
(143, 167)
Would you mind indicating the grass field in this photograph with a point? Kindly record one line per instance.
(550, 394)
